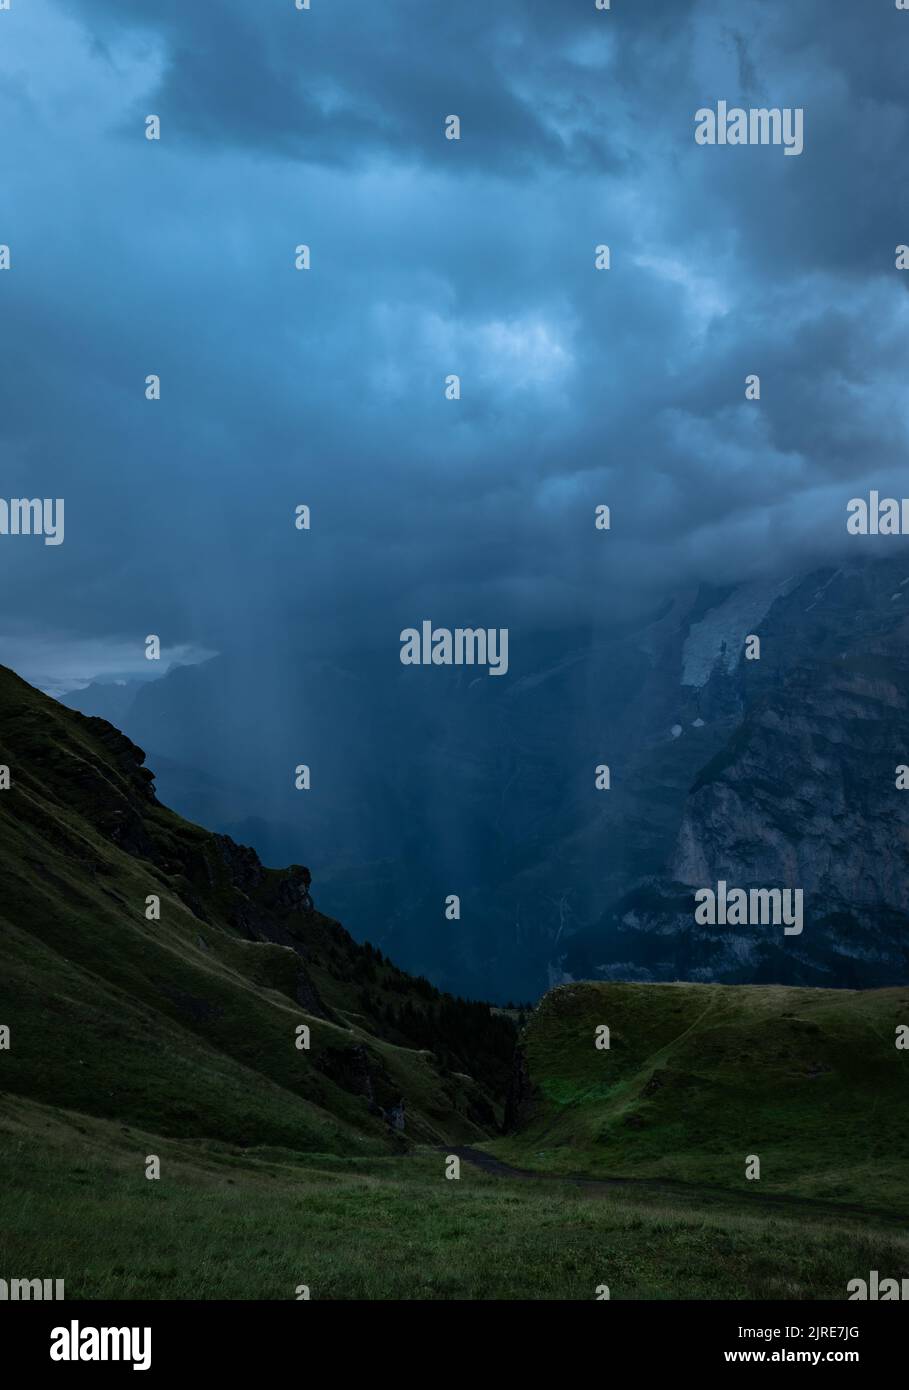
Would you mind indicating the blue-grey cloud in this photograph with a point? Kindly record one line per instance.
(430, 257)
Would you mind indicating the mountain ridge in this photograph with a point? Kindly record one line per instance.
(193, 1018)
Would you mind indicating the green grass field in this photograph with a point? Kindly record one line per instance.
(698, 1077)
(229, 1224)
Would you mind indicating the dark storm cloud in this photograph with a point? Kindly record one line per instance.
(347, 81)
(431, 257)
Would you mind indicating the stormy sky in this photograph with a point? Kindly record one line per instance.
(429, 257)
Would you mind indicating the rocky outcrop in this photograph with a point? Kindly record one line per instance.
(126, 756)
(521, 1099)
(801, 794)
(293, 889)
(356, 1070)
(244, 866)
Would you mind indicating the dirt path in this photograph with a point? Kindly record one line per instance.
(599, 1187)
(480, 1159)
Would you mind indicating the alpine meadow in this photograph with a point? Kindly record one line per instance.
(454, 683)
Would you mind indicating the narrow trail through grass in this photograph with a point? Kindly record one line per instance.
(601, 1186)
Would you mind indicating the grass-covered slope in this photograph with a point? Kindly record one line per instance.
(176, 1037)
(699, 1077)
(256, 1224)
(187, 1026)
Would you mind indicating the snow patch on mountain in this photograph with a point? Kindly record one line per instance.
(720, 636)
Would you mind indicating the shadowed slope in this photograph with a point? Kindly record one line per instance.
(188, 1025)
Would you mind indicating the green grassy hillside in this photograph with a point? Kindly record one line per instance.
(698, 1077)
(176, 1037)
(254, 1224)
(187, 1025)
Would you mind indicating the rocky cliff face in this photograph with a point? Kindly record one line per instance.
(800, 794)
(522, 1097)
(778, 771)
